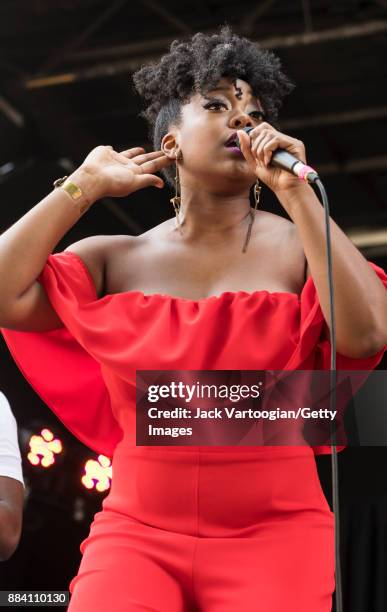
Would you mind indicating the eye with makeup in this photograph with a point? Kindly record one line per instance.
(258, 115)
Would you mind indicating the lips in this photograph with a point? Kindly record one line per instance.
(232, 141)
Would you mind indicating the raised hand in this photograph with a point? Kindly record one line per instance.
(258, 147)
(119, 174)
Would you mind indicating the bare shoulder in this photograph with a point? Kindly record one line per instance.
(278, 229)
(96, 251)
(290, 254)
(275, 222)
(33, 311)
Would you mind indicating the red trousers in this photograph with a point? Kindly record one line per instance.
(211, 531)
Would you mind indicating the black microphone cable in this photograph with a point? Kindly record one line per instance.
(283, 159)
(333, 378)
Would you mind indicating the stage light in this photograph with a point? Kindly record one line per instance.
(98, 474)
(43, 448)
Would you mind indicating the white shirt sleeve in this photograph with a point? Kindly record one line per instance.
(10, 458)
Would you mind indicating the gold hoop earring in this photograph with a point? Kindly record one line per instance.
(257, 195)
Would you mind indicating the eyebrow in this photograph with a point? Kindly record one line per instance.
(249, 91)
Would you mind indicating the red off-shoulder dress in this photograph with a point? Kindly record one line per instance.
(215, 529)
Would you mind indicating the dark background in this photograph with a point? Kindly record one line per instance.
(65, 87)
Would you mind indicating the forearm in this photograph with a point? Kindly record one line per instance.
(10, 527)
(360, 297)
(25, 246)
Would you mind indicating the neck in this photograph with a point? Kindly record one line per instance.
(208, 217)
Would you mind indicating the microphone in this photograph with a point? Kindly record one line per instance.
(286, 161)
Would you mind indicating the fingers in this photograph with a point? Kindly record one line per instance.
(153, 165)
(132, 152)
(258, 147)
(265, 140)
(245, 143)
(138, 155)
(264, 145)
(148, 180)
(268, 149)
(140, 159)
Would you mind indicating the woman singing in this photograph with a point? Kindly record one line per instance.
(220, 285)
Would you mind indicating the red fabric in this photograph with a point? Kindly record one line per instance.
(85, 372)
(217, 532)
(210, 528)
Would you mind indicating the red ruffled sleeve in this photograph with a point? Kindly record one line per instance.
(57, 364)
(314, 335)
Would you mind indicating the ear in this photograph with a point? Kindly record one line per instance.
(169, 145)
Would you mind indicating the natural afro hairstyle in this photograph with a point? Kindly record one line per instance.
(196, 66)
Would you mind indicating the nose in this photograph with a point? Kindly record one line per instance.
(240, 120)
